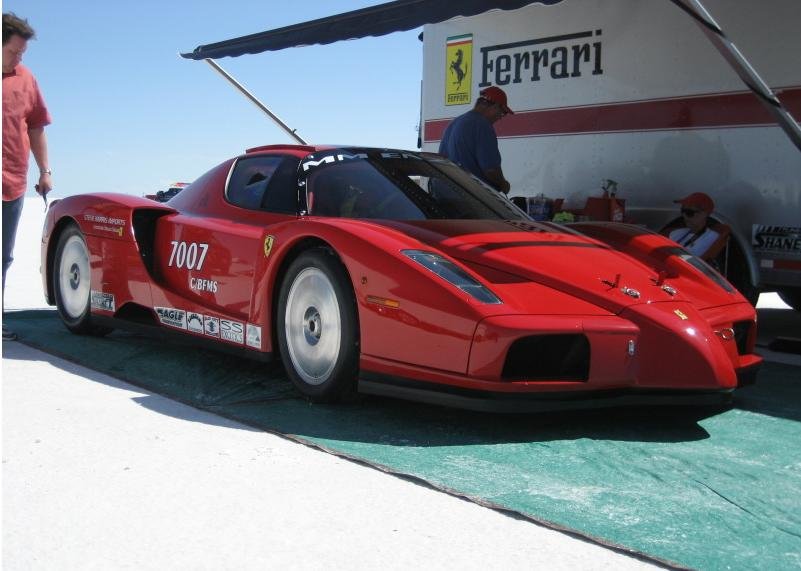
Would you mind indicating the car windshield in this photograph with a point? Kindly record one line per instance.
(398, 185)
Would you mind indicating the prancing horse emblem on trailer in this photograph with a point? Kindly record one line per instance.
(456, 67)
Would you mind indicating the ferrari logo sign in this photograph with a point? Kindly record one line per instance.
(268, 245)
(459, 69)
(680, 314)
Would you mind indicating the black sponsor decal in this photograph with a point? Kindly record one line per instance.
(101, 300)
(211, 326)
(194, 322)
(172, 317)
(232, 331)
(253, 336)
(776, 238)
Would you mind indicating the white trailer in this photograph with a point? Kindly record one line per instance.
(633, 91)
(665, 97)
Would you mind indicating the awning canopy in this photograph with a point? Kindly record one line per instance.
(380, 20)
(402, 15)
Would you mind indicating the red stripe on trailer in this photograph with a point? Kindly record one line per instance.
(786, 265)
(712, 111)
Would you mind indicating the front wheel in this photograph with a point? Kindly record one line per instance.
(72, 283)
(791, 296)
(317, 327)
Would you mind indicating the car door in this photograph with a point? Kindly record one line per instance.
(211, 260)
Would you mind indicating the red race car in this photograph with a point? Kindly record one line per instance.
(397, 273)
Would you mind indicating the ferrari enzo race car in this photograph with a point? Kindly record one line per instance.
(397, 273)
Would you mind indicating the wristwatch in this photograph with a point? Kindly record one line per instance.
(46, 171)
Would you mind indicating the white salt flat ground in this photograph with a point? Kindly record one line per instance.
(97, 474)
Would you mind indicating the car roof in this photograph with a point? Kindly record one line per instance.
(301, 151)
(296, 150)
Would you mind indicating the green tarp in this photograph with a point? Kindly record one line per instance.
(703, 489)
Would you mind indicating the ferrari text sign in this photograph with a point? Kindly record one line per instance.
(556, 57)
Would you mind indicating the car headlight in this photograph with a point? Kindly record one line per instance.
(452, 274)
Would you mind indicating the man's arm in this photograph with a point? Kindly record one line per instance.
(39, 149)
(495, 178)
(488, 157)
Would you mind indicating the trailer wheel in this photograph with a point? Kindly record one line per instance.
(791, 296)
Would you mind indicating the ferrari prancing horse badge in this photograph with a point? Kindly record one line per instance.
(268, 245)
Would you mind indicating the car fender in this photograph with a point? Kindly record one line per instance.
(393, 294)
(115, 227)
(705, 288)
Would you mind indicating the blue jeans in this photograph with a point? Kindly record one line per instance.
(12, 210)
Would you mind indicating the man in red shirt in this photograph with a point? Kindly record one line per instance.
(24, 118)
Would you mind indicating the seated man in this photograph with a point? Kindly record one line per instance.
(700, 236)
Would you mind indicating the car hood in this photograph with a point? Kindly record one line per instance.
(544, 253)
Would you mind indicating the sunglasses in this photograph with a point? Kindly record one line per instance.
(689, 212)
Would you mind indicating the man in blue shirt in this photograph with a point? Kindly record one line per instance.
(470, 140)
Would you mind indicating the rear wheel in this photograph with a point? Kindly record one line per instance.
(317, 327)
(72, 283)
(791, 296)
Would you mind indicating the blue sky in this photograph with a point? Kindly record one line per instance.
(130, 115)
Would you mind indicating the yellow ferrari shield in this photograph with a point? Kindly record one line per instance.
(459, 69)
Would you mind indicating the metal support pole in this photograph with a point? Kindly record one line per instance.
(259, 104)
(741, 66)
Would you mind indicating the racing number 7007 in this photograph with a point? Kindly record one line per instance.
(184, 254)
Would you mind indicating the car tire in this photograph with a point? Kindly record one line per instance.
(317, 327)
(72, 284)
(791, 296)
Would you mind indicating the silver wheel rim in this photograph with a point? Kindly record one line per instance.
(313, 326)
(74, 277)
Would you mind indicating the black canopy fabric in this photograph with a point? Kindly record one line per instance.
(379, 20)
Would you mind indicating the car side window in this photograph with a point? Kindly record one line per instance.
(282, 189)
(264, 183)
